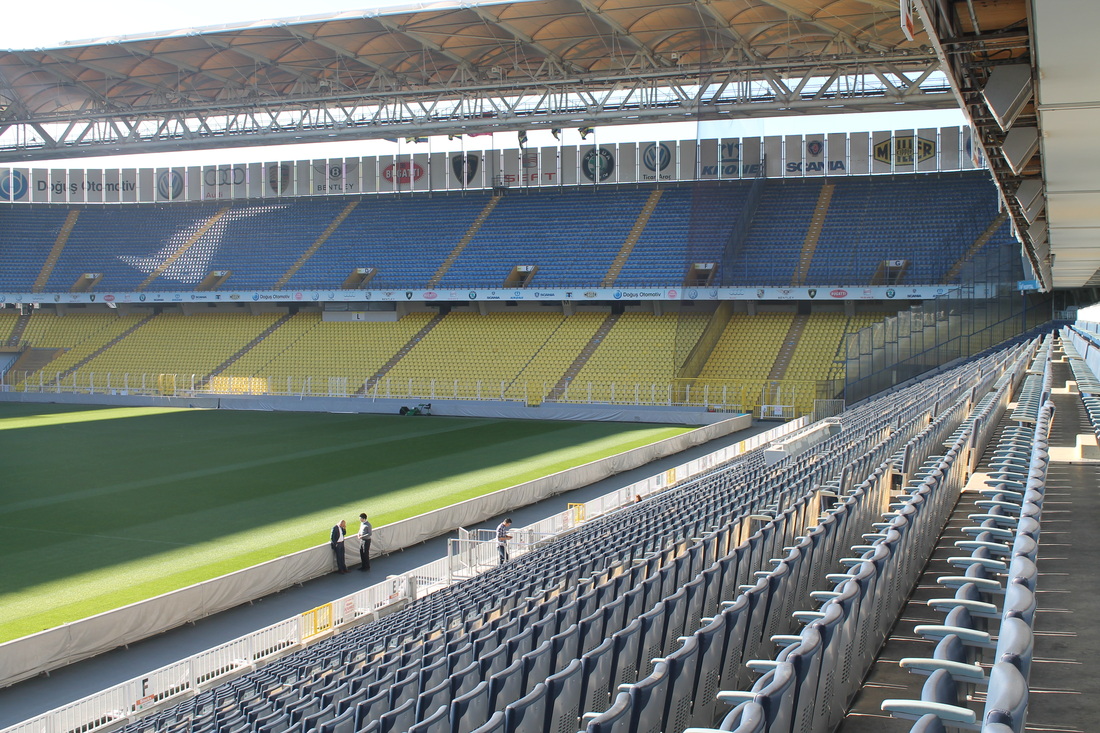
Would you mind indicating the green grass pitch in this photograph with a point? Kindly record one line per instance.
(100, 507)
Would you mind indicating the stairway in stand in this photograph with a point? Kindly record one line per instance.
(786, 351)
(385, 368)
(582, 358)
(631, 239)
(71, 370)
(813, 234)
(248, 347)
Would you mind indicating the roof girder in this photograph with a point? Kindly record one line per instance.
(661, 94)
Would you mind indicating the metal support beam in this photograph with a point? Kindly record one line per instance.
(666, 94)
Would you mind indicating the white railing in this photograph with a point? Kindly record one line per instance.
(718, 395)
(134, 698)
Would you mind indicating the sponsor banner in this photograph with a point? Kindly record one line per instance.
(658, 161)
(224, 182)
(708, 160)
(146, 189)
(440, 177)
(793, 163)
(127, 183)
(14, 184)
(278, 179)
(972, 156)
(629, 163)
(773, 156)
(419, 173)
(112, 194)
(324, 178)
(368, 174)
(465, 168)
(569, 164)
(813, 155)
(598, 165)
(59, 186)
(687, 153)
(666, 293)
(93, 186)
(40, 185)
(860, 153)
(882, 155)
(192, 184)
(521, 168)
(733, 159)
(384, 173)
(927, 149)
(903, 151)
(509, 165)
(752, 157)
(257, 181)
(949, 148)
(169, 184)
(78, 191)
(303, 181)
(549, 169)
(837, 152)
(859, 160)
(403, 173)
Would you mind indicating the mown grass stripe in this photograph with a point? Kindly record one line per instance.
(114, 487)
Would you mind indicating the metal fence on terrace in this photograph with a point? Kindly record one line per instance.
(780, 399)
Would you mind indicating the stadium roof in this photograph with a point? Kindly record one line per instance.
(441, 68)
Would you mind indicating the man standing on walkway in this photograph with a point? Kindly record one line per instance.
(365, 533)
(336, 541)
(502, 539)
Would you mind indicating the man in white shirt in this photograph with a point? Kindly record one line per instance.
(365, 533)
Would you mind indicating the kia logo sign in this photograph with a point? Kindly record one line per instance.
(429, 295)
(403, 172)
(838, 293)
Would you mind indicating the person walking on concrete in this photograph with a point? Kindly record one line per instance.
(502, 539)
(365, 533)
(336, 541)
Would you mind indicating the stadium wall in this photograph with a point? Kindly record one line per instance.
(672, 415)
(54, 648)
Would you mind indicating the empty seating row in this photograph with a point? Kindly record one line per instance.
(571, 236)
(992, 610)
(807, 686)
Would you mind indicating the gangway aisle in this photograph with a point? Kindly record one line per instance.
(1064, 675)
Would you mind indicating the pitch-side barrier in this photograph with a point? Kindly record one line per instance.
(142, 695)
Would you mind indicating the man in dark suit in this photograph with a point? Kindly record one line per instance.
(366, 531)
(336, 540)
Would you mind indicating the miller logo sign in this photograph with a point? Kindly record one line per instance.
(903, 151)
